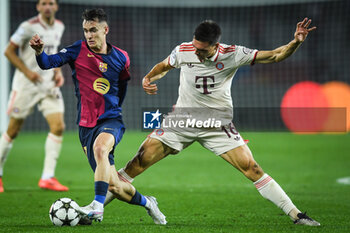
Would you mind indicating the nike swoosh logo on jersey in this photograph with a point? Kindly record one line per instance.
(90, 55)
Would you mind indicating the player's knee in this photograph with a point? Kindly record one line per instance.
(12, 133)
(245, 161)
(13, 130)
(57, 128)
(100, 151)
(249, 166)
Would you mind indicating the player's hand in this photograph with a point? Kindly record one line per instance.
(302, 30)
(37, 44)
(33, 76)
(58, 78)
(149, 88)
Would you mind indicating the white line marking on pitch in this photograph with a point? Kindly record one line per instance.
(344, 180)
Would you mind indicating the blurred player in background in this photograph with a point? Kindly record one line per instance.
(100, 74)
(207, 69)
(32, 86)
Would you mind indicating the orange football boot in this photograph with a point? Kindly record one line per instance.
(52, 184)
(1, 186)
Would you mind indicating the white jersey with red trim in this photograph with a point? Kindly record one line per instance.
(51, 35)
(208, 83)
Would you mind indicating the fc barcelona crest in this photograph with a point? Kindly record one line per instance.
(103, 67)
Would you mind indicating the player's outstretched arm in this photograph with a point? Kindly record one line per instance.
(157, 72)
(44, 61)
(281, 53)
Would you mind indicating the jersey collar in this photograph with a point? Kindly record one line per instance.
(43, 23)
(215, 57)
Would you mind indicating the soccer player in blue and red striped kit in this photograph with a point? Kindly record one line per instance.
(100, 74)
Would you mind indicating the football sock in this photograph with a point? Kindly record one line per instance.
(138, 199)
(53, 146)
(5, 147)
(101, 189)
(270, 190)
(109, 197)
(124, 176)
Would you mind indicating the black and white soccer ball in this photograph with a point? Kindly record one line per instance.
(63, 212)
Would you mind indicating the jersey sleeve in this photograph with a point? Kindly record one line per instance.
(174, 60)
(245, 56)
(22, 34)
(70, 53)
(125, 73)
(66, 55)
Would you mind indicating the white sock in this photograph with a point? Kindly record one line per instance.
(109, 197)
(53, 146)
(269, 189)
(5, 147)
(124, 176)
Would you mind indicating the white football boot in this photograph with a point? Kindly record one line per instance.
(153, 211)
(93, 211)
(306, 220)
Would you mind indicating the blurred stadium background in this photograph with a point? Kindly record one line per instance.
(149, 30)
(197, 192)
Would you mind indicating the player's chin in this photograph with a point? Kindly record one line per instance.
(92, 44)
(48, 14)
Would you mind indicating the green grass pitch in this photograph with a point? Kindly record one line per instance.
(197, 191)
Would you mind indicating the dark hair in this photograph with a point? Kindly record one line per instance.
(95, 15)
(38, 1)
(208, 31)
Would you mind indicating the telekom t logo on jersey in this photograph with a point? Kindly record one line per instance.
(205, 83)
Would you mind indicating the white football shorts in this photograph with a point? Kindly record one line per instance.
(217, 140)
(21, 103)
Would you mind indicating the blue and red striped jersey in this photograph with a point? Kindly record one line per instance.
(100, 79)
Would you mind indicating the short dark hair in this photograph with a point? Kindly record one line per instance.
(38, 1)
(208, 31)
(94, 15)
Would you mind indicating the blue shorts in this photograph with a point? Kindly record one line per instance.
(88, 136)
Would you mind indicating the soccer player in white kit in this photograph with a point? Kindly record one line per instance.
(32, 86)
(207, 69)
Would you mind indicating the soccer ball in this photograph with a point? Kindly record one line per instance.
(63, 212)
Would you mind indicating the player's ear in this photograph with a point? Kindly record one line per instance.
(106, 29)
(57, 6)
(217, 45)
(37, 7)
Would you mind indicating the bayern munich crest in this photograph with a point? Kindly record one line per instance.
(219, 65)
(159, 132)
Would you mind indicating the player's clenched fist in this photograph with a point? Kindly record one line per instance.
(37, 44)
(149, 88)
